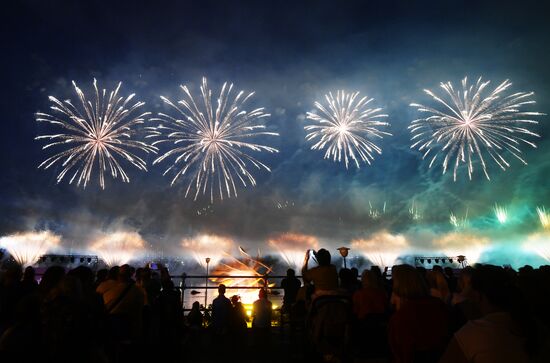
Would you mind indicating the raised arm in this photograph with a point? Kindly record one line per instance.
(304, 267)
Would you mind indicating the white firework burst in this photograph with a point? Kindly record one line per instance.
(472, 121)
(346, 128)
(98, 132)
(210, 141)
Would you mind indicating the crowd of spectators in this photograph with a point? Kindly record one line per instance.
(483, 313)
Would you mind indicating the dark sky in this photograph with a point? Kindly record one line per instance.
(291, 53)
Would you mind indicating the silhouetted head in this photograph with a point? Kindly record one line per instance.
(376, 271)
(262, 294)
(370, 279)
(437, 268)
(139, 273)
(235, 299)
(354, 272)
(196, 305)
(493, 283)
(29, 274)
(113, 273)
(84, 274)
(51, 278)
(12, 275)
(407, 282)
(323, 257)
(290, 273)
(448, 271)
(125, 273)
(221, 289)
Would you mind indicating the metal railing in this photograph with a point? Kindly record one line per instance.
(183, 287)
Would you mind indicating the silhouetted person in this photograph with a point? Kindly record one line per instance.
(370, 307)
(451, 279)
(124, 305)
(324, 277)
(66, 322)
(419, 327)
(261, 319)
(170, 318)
(24, 332)
(194, 337)
(355, 277)
(194, 318)
(170, 311)
(371, 298)
(505, 332)
(290, 285)
(347, 283)
(463, 308)
(238, 315)
(221, 310)
(438, 285)
(261, 311)
(51, 278)
(110, 282)
(10, 294)
(101, 275)
(90, 298)
(238, 328)
(28, 283)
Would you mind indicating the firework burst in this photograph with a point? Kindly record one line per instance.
(539, 243)
(26, 248)
(414, 213)
(501, 214)
(99, 132)
(544, 217)
(292, 246)
(474, 123)
(381, 248)
(346, 128)
(206, 246)
(210, 141)
(458, 222)
(375, 213)
(119, 247)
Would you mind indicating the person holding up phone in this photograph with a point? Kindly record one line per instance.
(324, 277)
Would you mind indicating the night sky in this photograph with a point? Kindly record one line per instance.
(290, 53)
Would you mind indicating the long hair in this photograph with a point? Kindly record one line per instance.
(408, 283)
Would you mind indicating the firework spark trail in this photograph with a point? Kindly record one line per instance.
(375, 213)
(471, 122)
(118, 248)
(26, 248)
(458, 222)
(99, 131)
(544, 217)
(246, 266)
(346, 128)
(209, 140)
(414, 213)
(501, 214)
